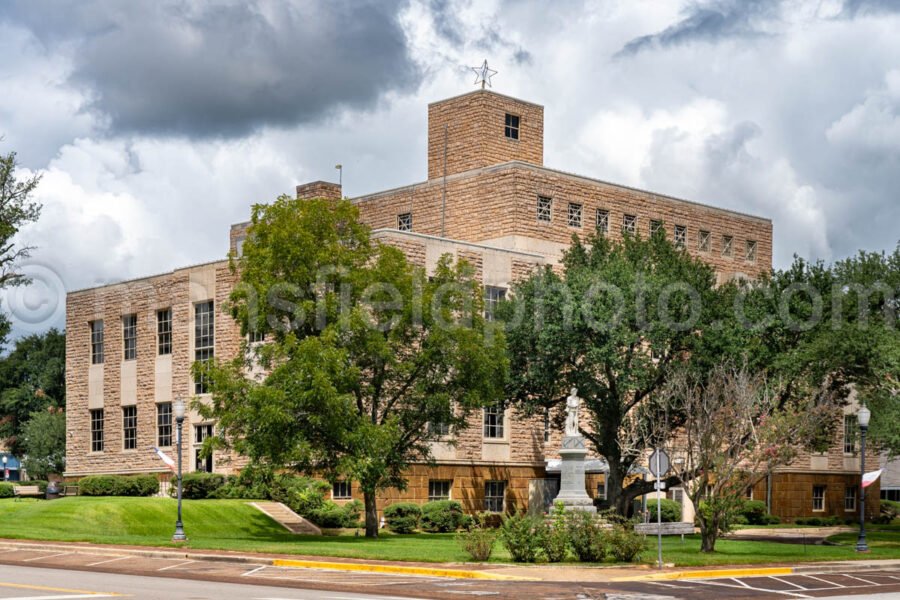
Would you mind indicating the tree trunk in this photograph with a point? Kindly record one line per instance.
(615, 492)
(709, 532)
(371, 514)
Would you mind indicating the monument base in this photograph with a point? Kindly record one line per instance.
(572, 491)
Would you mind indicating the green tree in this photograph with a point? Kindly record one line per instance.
(367, 359)
(44, 443)
(16, 210)
(615, 324)
(32, 378)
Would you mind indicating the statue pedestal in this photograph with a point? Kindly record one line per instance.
(572, 492)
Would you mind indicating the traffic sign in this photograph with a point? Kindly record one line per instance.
(659, 460)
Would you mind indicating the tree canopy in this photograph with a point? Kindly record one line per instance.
(367, 360)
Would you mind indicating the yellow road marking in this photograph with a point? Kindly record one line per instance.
(396, 569)
(711, 574)
(44, 588)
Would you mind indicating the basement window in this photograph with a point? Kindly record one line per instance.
(511, 130)
(818, 498)
(439, 489)
(341, 490)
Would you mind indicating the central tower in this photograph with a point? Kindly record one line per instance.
(480, 129)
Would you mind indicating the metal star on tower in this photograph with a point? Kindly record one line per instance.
(483, 74)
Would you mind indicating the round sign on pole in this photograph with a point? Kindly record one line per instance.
(659, 457)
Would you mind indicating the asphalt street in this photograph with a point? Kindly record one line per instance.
(54, 575)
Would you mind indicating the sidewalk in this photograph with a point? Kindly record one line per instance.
(472, 571)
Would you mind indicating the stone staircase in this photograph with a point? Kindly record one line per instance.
(287, 518)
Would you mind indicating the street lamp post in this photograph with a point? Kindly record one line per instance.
(863, 417)
(178, 409)
(5, 472)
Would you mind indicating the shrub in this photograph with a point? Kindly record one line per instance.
(303, 495)
(556, 537)
(625, 544)
(771, 520)
(442, 516)
(402, 517)
(739, 519)
(117, 485)
(332, 515)
(671, 510)
(754, 511)
(198, 486)
(888, 511)
(6, 490)
(522, 536)
(478, 540)
(586, 536)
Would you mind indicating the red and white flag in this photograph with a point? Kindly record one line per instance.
(871, 477)
(166, 459)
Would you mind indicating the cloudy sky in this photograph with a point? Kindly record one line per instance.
(156, 124)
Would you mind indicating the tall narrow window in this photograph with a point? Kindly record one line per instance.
(439, 489)
(511, 129)
(439, 429)
(404, 222)
(204, 341)
(129, 427)
(97, 342)
(629, 224)
(704, 241)
(851, 427)
(164, 331)
(727, 245)
(850, 493)
(493, 296)
(97, 430)
(544, 209)
(546, 425)
(164, 424)
(574, 214)
(655, 225)
(680, 236)
(495, 496)
(818, 498)
(602, 221)
(601, 490)
(493, 422)
(202, 462)
(751, 250)
(129, 334)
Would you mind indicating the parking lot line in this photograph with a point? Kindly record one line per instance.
(189, 562)
(44, 588)
(103, 562)
(755, 589)
(46, 556)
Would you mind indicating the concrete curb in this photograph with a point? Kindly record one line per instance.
(812, 568)
(274, 562)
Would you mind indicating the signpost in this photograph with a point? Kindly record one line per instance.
(659, 466)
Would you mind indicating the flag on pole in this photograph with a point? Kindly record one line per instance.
(166, 459)
(871, 477)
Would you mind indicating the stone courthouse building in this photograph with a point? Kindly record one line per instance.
(488, 199)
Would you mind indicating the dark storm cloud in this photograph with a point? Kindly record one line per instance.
(224, 69)
(709, 22)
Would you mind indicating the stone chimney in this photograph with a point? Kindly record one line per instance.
(319, 189)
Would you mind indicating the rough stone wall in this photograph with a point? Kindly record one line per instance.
(497, 204)
(475, 132)
(319, 189)
(792, 495)
(178, 291)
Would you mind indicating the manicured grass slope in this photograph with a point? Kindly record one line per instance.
(234, 525)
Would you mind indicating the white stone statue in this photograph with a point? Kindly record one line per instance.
(573, 402)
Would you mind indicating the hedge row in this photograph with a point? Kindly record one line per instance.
(440, 516)
(118, 485)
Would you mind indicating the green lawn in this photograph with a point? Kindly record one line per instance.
(236, 526)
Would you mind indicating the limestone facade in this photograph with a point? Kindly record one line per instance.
(488, 199)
